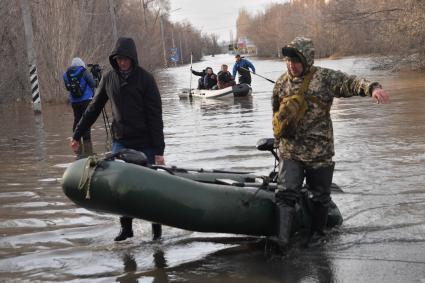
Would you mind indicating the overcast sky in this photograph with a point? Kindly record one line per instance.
(215, 16)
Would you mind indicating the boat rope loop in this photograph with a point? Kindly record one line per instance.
(89, 167)
(263, 186)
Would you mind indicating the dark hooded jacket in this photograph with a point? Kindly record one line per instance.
(136, 104)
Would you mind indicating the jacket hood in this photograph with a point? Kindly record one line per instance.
(77, 62)
(303, 48)
(125, 46)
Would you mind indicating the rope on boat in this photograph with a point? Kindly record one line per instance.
(262, 187)
(89, 167)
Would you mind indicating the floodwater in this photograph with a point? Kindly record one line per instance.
(380, 157)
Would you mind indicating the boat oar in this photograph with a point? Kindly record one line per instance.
(190, 84)
(272, 81)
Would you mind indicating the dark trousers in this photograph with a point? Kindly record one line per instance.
(149, 152)
(291, 178)
(201, 83)
(79, 108)
(245, 79)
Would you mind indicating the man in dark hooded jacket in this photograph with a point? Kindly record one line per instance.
(136, 111)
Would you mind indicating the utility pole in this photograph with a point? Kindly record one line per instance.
(181, 49)
(161, 25)
(231, 41)
(113, 20)
(174, 45)
(31, 56)
(145, 6)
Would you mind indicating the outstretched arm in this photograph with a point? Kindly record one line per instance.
(344, 85)
(251, 66)
(201, 74)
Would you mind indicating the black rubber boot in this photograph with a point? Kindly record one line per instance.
(126, 229)
(285, 216)
(319, 181)
(156, 231)
(320, 217)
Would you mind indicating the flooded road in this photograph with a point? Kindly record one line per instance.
(380, 157)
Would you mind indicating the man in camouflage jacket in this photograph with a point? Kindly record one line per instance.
(307, 151)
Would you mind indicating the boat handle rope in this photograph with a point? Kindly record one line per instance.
(262, 187)
(89, 167)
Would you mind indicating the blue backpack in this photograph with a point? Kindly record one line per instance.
(73, 84)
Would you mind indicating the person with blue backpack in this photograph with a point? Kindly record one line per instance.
(80, 85)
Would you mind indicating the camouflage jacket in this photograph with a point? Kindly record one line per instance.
(313, 140)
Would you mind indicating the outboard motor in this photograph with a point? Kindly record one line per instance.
(265, 144)
(269, 145)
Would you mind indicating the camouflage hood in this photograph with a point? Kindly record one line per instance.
(303, 48)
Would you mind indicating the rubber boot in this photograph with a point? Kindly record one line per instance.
(285, 216)
(319, 181)
(156, 231)
(320, 218)
(126, 229)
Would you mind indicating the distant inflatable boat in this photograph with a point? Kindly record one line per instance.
(204, 201)
(238, 90)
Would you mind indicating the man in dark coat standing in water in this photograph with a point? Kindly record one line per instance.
(136, 114)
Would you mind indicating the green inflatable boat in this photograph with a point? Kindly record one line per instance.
(196, 200)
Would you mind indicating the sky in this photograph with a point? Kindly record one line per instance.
(215, 16)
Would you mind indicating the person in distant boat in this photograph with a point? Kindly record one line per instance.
(207, 80)
(301, 102)
(243, 67)
(80, 84)
(225, 79)
(136, 111)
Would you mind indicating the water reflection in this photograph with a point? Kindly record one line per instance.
(250, 262)
(159, 259)
(246, 104)
(130, 267)
(221, 106)
(160, 274)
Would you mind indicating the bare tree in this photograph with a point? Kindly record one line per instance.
(83, 28)
(343, 27)
(13, 69)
